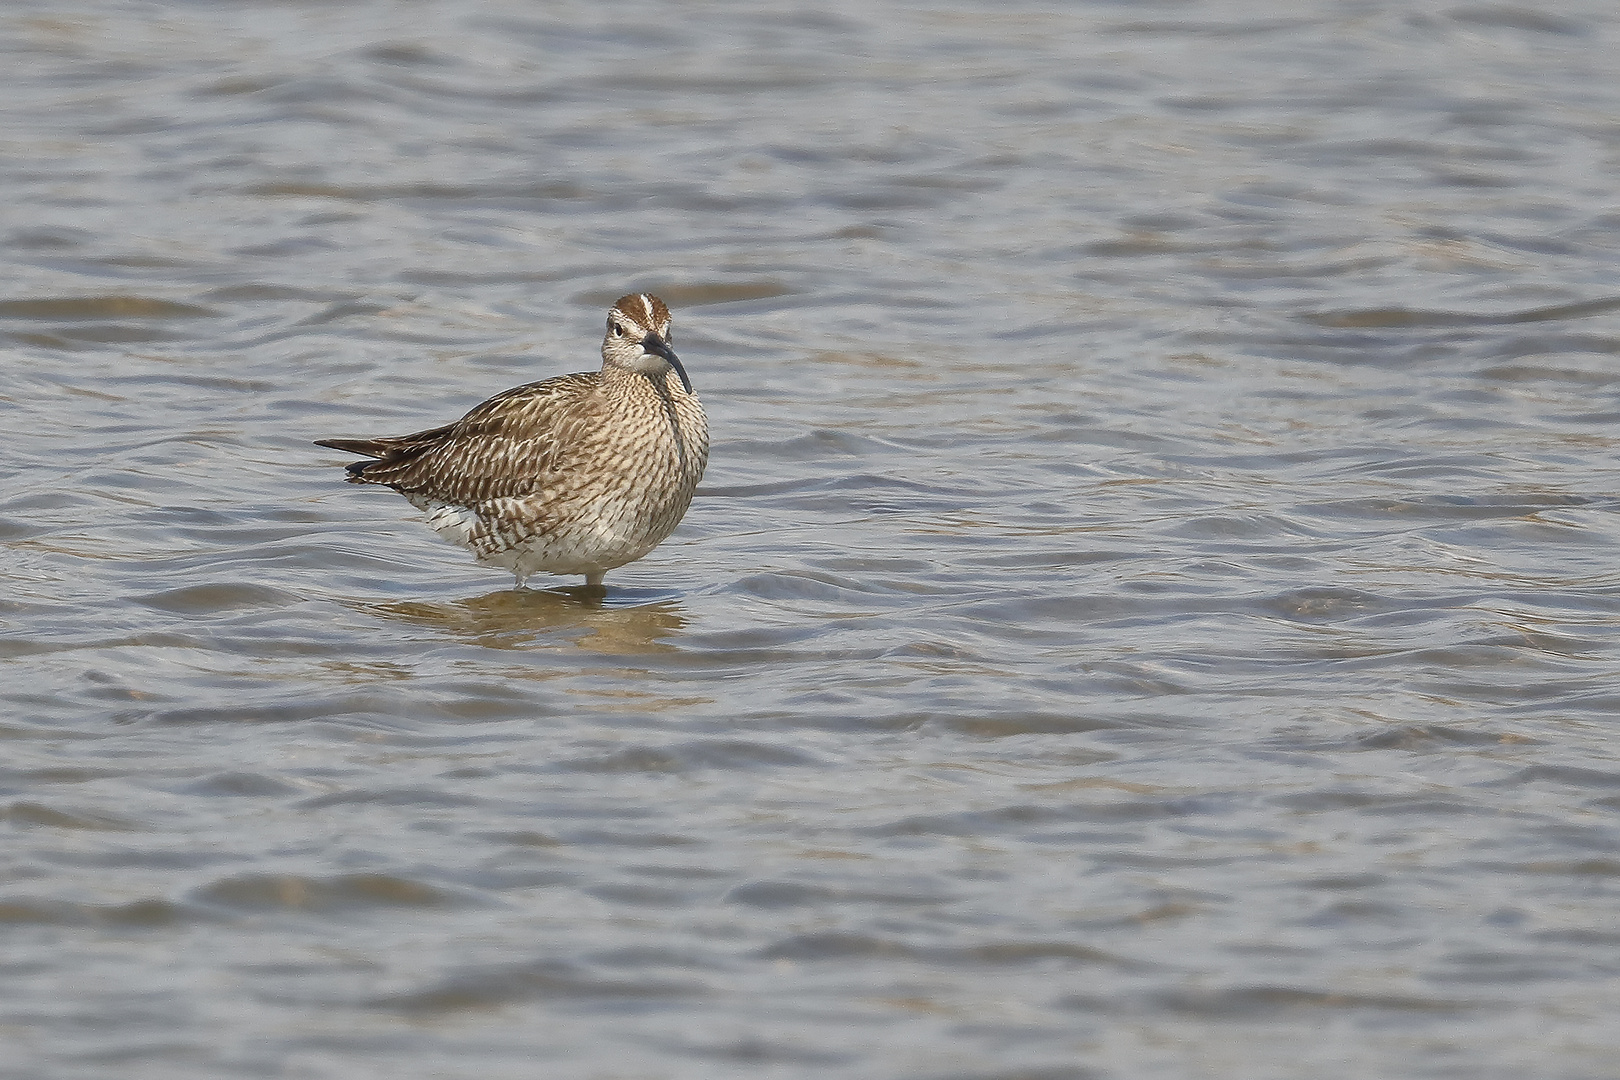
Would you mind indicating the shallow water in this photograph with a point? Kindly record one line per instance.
(1150, 612)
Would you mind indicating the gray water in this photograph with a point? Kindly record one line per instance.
(1151, 611)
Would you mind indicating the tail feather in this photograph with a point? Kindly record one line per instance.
(372, 449)
(367, 447)
(386, 452)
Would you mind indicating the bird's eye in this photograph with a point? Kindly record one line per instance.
(618, 331)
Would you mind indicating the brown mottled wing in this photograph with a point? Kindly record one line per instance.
(507, 446)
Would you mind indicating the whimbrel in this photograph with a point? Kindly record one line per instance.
(577, 474)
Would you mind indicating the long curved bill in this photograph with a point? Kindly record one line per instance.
(658, 347)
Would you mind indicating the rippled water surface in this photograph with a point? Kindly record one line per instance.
(1151, 611)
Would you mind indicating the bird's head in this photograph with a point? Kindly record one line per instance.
(638, 338)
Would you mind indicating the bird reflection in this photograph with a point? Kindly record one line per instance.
(514, 618)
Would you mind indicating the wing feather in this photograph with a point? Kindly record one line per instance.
(508, 446)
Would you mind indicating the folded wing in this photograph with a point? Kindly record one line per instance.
(508, 446)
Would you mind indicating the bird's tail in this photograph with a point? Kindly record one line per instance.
(368, 448)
